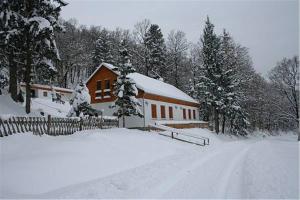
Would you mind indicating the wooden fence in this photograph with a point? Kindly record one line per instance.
(53, 125)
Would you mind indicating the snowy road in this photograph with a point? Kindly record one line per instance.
(252, 168)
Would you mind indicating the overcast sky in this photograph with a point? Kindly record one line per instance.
(270, 29)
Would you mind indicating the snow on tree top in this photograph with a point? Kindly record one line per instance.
(151, 85)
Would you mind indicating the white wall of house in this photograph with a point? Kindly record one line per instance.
(135, 121)
(46, 94)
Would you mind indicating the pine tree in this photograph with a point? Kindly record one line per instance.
(233, 96)
(11, 41)
(81, 101)
(210, 83)
(103, 48)
(157, 50)
(34, 22)
(125, 88)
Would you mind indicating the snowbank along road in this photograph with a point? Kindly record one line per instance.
(134, 164)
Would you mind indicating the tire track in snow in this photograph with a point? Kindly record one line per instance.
(206, 175)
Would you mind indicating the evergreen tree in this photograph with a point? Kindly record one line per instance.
(11, 42)
(210, 83)
(157, 50)
(102, 51)
(230, 93)
(34, 22)
(125, 88)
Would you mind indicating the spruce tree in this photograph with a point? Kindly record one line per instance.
(125, 88)
(103, 49)
(35, 22)
(210, 82)
(11, 42)
(157, 51)
(231, 95)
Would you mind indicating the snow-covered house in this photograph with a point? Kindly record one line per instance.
(46, 91)
(160, 101)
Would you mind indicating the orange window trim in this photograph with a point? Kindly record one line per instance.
(153, 111)
(162, 112)
(171, 112)
(184, 114)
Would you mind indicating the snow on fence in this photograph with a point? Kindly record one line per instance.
(53, 125)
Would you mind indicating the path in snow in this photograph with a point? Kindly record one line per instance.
(222, 173)
(121, 163)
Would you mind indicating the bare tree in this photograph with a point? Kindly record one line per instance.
(285, 77)
(177, 46)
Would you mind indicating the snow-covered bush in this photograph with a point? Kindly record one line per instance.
(80, 102)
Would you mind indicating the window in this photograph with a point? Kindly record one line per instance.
(98, 95)
(194, 114)
(32, 93)
(153, 111)
(184, 114)
(107, 84)
(190, 114)
(171, 112)
(45, 94)
(98, 85)
(98, 90)
(162, 112)
(107, 89)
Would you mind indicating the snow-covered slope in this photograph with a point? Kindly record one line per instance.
(9, 107)
(49, 107)
(122, 163)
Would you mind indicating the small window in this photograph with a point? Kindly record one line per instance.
(162, 112)
(45, 94)
(98, 95)
(184, 114)
(32, 93)
(107, 84)
(194, 114)
(153, 111)
(106, 94)
(98, 85)
(171, 112)
(190, 114)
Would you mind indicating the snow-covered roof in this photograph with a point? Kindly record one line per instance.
(152, 86)
(107, 65)
(47, 87)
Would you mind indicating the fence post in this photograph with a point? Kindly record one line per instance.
(101, 121)
(80, 124)
(172, 135)
(49, 124)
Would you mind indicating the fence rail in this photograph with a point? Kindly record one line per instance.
(52, 125)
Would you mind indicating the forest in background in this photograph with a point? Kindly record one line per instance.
(216, 70)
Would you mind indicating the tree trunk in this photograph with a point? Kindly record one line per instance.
(217, 125)
(223, 123)
(13, 83)
(27, 81)
(28, 9)
(123, 121)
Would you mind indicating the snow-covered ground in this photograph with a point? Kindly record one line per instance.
(126, 163)
(38, 105)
